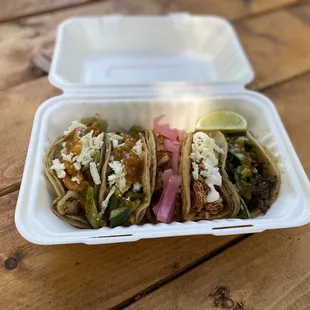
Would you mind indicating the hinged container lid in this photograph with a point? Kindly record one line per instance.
(94, 52)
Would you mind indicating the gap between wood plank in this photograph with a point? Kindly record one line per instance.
(272, 10)
(179, 273)
(10, 189)
(69, 6)
(163, 4)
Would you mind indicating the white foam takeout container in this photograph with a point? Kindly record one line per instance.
(131, 69)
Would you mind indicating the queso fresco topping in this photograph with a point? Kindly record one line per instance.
(126, 162)
(205, 163)
(80, 152)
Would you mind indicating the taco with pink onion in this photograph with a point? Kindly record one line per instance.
(165, 145)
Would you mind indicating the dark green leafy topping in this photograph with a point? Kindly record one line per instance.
(248, 175)
(135, 130)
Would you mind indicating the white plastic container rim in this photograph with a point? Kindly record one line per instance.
(106, 64)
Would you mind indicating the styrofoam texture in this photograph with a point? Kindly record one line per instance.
(38, 224)
(135, 50)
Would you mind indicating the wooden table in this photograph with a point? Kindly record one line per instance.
(270, 270)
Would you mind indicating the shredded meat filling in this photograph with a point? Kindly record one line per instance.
(200, 205)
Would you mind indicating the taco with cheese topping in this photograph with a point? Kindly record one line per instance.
(73, 165)
(126, 190)
(207, 193)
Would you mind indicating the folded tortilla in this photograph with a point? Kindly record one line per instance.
(195, 205)
(79, 209)
(253, 170)
(161, 160)
(126, 204)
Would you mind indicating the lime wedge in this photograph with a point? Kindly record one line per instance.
(222, 120)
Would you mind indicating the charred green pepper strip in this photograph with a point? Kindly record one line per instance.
(134, 195)
(119, 216)
(113, 204)
(130, 204)
(93, 216)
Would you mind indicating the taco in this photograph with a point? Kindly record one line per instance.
(207, 193)
(254, 172)
(165, 145)
(126, 190)
(72, 165)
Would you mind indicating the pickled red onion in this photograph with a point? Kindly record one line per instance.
(167, 206)
(166, 176)
(174, 148)
(164, 129)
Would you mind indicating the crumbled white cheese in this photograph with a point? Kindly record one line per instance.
(67, 157)
(89, 145)
(195, 170)
(94, 173)
(105, 203)
(114, 143)
(118, 177)
(138, 147)
(77, 166)
(98, 141)
(113, 135)
(115, 138)
(74, 125)
(76, 179)
(59, 168)
(137, 187)
(64, 144)
(205, 162)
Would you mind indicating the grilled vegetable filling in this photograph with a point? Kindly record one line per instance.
(124, 177)
(248, 174)
(77, 167)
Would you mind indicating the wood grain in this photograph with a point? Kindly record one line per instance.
(87, 277)
(277, 44)
(18, 8)
(232, 9)
(18, 106)
(23, 40)
(266, 271)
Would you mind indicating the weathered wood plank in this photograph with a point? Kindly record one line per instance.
(266, 271)
(87, 277)
(277, 44)
(18, 106)
(21, 41)
(19, 8)
(232, 9)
